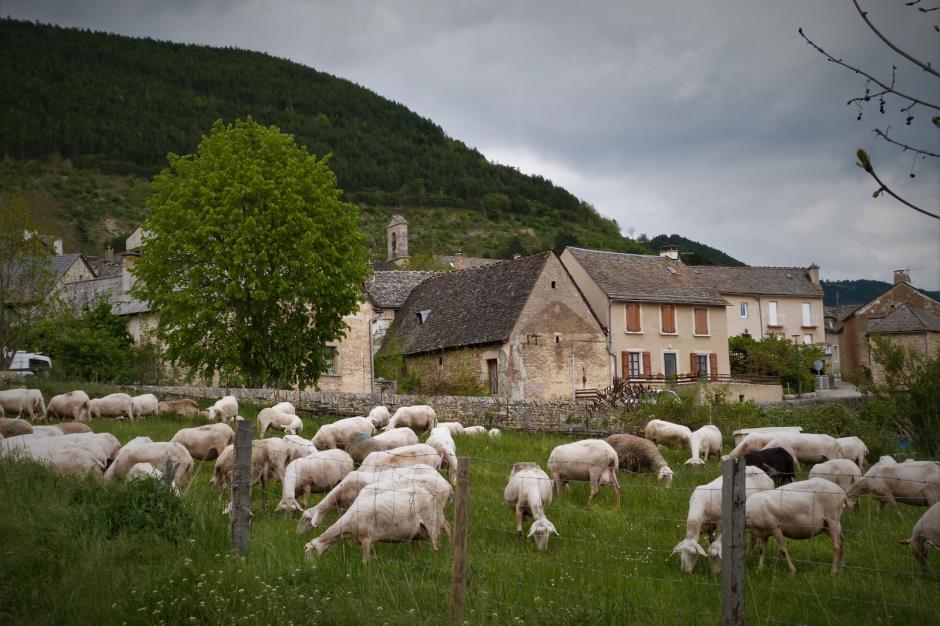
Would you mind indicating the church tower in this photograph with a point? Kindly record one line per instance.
(397, 233)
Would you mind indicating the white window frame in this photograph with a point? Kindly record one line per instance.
(773, 313)
(743, 310)
(807, 311)
(639, 363)
(807, 339)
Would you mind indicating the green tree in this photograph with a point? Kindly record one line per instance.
(252, 259)
(775, 356)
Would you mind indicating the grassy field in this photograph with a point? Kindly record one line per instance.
(79, 551)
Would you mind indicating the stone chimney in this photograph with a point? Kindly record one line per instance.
(57, 246)
(813, 272)
(671, 252)
(397, 234)
(127, 263)
(902, 276)
(109, 255)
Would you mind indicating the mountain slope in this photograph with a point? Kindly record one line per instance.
(860, 291)
(695, 253)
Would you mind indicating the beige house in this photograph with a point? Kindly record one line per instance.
(764, 301)
(518, 329)
(663, 320)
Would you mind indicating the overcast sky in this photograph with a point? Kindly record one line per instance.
(713, 119)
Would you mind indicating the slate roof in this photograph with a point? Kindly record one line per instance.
(467, 307)
(58, 266)
(646, 278)
(760, 281)
(838, 314)
(84, 293)
(128, 305)
(390, 289)
(904, 319)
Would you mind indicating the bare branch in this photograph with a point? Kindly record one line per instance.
(884, 135)
(924, 66)
(865, 164)
(888, 88)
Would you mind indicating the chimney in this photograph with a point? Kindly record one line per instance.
(902, 276)
(57, 246)
(813, 271)
(109, 255)
(669, 251)
(128, 279)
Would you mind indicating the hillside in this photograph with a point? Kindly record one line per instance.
(857, 291)
(695, 253)
(108, 106)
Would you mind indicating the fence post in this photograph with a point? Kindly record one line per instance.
(732, 542)
(241, 486)
(458, 584)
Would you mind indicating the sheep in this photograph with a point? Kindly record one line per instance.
(752, 442)
(62, 457)
(47, 431)
(102, 446)
(636, 454)
(112, 405)
(912, 482)
(455, 428)
(145, 404)
(207, 442)
(13, 427)
(800, 510)
(344, 494)
(71, 428)
(136, 441)
(473, 431)
(72, 405)
(854, 449)
(184, 407)
(224, 410)
(777, 462)
(157, 454)
(273, 418)
(315, 473)
(106, 444)
(393, 511)
(285, 407)
(705, 515)
(143, 470)
(589, 459)
(441, 441)
(926, 534)
(667, 433)
(404, 456)
(494, 432)
(704, 441)
(269, 458)
(807, 448)
(341, 432)
(298, 446)
(362, 446)
(21, 402)
(379, 416)
(529, 491)
(419, 417)
(842, 472)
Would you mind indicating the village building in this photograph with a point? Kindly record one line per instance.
(398, 256)
(387, 291)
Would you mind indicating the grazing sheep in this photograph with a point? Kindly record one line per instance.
(299, 447)
(854, 449)
(157, 454)
(393, 511)
(912, 482)
(705, 515)
(224, 410)
(419, 417)
(441, 441)
(704, 441)
(63, 457)
(494, 432)
(269, 458)
(589, 459)
(184, 407)
(72, 405)
(926, 534)
(842, 472)
(751, 443)
(20, 402)
(473, 431)
(455, 428)
(529, 491)
(667, 433)
(145, 404)
(136, 441)
(47, 431)
(379, 416)
(362, 446)
(113, 405)
(106, 444)
(638, 455)
(777, 462)
(800, 510)
(13, 427)
(316, 473)
(285, 407)
(404, 456)
(71, 428)
(806, 447)
(207, 442)
(143, 470)
(341, 432)
(273, 418)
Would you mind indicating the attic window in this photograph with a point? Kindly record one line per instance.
(789, 275)
(672, 270)
(553, 284)
(532, 339)
(557, 338)
(423, 315)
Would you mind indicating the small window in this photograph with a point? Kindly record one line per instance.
(633, 361)
(807, 340)
(557, 338)
(423, 316)
(532, 340)
(633, 317)
(440, 361)
(807, 314)
(744, 310)
(330, 359)
(553, 284)
(702, 365)
(701, 320)
(668, 318)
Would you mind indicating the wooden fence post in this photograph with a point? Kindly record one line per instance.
(458, 584)
(241, 486)
(732, 542)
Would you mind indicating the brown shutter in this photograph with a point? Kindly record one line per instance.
(713, 364)
(668, 313)
(647, 365)
(694, 368)
(633, 317)
(701, 321)
(624, 365)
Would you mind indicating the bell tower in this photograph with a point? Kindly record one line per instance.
(397, 233)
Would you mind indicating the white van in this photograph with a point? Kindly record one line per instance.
(30, 362)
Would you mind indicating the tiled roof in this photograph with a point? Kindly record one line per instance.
(904, 319)
(128, 305)
(390, 289)
(467, 307)
(646, 278)
(58, 266)
(762, 281)
(84, 293)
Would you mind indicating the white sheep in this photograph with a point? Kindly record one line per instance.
(854, 449)
(157, 454)
(638, 455)
(926, 534)
(404, 456)
(224, 410)
(842, 472)
(473, 431)
(285, 407)
(145, 404)
(341, 432)
(143, 470)
(455, 428)
(63, 457)
(379, 416)
(299, 447)
(419, 417)
(494, 433)
(106, 444)
(807, 447)
(593, 460)
(912, 482)
(47, 431)
(312, 474)
(274, 418)
(20, 402)
(112, 405)
(72, 405)
(269, 459)
(702, 442)
(184, 407)
(529, 491)
(72, 428)
(668, 433)
(752, 442)
(205, 443)
(441, 441)
(14, 426)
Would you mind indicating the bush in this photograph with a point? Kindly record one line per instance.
(775, 356)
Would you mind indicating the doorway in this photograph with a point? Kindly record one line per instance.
(491, 372)
(669, 365)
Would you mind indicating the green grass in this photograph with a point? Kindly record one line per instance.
(63, 563)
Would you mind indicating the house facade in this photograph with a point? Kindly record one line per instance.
(662, 320)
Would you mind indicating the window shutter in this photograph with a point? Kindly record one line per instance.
(694, 369)
(668, 313)
(647, 365)
(633, 317)
(713, 364)
(624, 365)
(701, 321)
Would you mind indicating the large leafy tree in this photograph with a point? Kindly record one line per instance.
(252, 259)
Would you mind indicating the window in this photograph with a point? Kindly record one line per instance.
(668, 318)
(633, 360)
(330, 359)
(557, 338)
(807, 315)
(773, 316)
(835, 354)
(553, 284)
(492, 375)
(532, 340)
(702, 362)
(633, 317)
(423, 316)
(669, 365)
(701, 321)
(743, 310)
(807, 340)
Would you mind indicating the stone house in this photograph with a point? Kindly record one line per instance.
(387, 291)
(517, 329)
(834, 318)
(916, 330)
(63, 271)
(663, 320)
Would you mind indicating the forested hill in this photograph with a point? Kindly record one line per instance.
(860, 291)
(693, 252)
